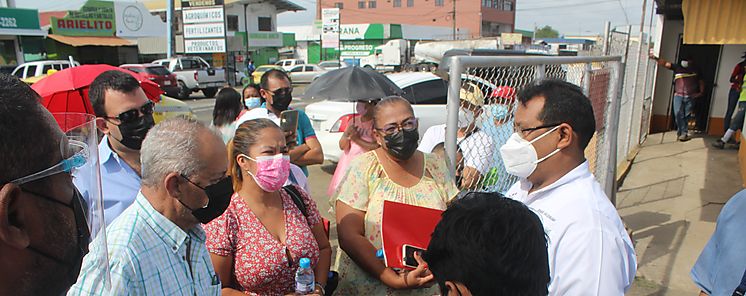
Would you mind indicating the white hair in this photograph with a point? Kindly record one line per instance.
(172, 146)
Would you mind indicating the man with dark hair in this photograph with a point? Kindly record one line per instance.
(40, 252)
(486, 244)
(688, 86)
(589, 250)
(277, 93)
(125, 115)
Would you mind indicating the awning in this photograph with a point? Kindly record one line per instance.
(91, 41)
(714, 21)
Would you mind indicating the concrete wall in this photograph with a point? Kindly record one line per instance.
(253, 12)
(669, 45)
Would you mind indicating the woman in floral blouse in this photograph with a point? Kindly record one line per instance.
(395, 172)
(256, 245)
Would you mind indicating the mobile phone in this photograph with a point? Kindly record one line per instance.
(289, 120)
(408, 255)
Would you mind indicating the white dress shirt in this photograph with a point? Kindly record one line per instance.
(590, 253)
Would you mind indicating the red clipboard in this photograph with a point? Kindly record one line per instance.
(404, 224)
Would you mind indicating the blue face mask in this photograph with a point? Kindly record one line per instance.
(252, 102)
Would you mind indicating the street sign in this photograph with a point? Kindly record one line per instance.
(330, 28)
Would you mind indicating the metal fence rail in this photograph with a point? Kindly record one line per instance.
(487, 84)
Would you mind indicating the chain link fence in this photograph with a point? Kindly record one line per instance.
(481, 105)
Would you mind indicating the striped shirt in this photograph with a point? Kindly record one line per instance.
(148, 255)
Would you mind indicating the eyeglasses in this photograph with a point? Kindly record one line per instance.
(526, 131)
(68, 165)
(393, 128)
(134, 114)
(282, 91)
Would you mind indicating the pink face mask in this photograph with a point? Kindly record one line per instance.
(271, 171)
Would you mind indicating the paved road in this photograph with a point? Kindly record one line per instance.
(319, 175)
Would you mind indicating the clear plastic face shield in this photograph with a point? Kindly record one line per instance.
(79, 154)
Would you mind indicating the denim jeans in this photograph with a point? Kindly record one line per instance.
(732, 101)
(683, 107)
(737, 121)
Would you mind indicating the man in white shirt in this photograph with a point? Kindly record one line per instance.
(473, 143)
(589, 251)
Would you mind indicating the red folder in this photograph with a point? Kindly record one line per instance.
(405, 224)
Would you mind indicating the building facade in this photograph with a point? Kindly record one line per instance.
(474, 19)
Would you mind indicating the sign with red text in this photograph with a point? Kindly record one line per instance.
(95, 18)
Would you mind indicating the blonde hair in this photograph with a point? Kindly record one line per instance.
(247, 135)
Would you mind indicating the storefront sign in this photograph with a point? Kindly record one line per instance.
(204, 30)
(511, 38)
(204, 15)
(134, 20)
(199, 3)
(330, 28)
(95, 18)
(204, 45)
(265, 39)
(358, 48)
(15, 19)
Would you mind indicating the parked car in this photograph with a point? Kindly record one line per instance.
(39, 68)
(333, 65)
(289, 63)
(427, 92)
(158, 74)
(258, 72)
(305, 73)
(194, 74)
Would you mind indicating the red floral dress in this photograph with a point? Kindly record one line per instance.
(260, 261)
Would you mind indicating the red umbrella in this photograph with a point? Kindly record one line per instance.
(67, 90)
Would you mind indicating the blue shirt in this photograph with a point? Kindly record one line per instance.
(305, 129)
(721, 264)
(148, 255)
(498, 179)
(119, 182)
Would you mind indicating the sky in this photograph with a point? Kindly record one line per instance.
(569, 17)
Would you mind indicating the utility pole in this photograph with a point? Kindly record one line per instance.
(453, 18)
(169, 28)
(607, 38)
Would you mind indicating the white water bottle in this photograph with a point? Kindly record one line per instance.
(304, 279)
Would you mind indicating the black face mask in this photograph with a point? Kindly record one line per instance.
(281, 102)
(83, 235)
(402, 144)
(219, 197)
(133, 133)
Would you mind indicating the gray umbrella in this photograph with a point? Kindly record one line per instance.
(352, 84)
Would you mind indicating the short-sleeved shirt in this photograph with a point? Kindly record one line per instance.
(148, 255)
(476, 148)
(365, 187)
(722, 263)
(686, 80)
(305, 129)
(260, 261)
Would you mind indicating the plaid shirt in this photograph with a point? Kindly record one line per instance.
(148, 256)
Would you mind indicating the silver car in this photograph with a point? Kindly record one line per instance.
(305, 73)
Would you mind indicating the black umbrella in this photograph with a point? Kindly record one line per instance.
(352, 84)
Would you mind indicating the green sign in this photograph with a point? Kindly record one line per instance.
(14, 18)
(361, 48)
(95, 18)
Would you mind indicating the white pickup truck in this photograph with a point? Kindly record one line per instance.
(194, 74)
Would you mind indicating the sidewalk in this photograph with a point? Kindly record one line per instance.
(671, 199)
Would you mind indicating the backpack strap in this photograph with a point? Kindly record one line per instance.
(296, 197)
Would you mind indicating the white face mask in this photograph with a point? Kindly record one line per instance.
(519, 155)
(465, 118)
(685, 64)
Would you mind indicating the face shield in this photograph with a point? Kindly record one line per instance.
(79, 148)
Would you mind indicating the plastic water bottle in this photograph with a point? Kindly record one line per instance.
(304, 279)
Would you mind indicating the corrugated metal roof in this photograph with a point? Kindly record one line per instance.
(714, 21)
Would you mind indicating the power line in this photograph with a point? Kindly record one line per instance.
(624, 11)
